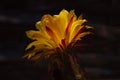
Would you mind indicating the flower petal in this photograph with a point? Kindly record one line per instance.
(36, 35)
(41, 44)
(71, 19)
(76, 36)
(61, 21)
(75, 28)
(53, 36)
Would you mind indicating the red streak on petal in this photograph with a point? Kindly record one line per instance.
(63, 42)
(35, 35)
(61, 47)
(68, 26)
(50, 32)
(78, 32)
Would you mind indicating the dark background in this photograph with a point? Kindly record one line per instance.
(101, 61)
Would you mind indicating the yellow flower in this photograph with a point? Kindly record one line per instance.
(55, 34)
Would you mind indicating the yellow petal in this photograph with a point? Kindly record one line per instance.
(36, 35)
(53, 36)
(42, 28)
(80, 17)
(50, 23)
(41, 44)
(71, 18)
(88, 27)
(67, 31)
(75, 28)
(79, 31)
(39, 26)
(72, 14)
(61, 21)
(84, 34)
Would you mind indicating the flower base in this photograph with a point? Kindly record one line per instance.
(70, 71)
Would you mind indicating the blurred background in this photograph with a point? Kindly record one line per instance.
(100, 61)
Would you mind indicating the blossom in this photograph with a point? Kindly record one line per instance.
(54, 35)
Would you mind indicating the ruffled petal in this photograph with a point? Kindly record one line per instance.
(36, 35)
(61, 21)
(78, 32)
(71, 18)
(75, 28)
(41, 44)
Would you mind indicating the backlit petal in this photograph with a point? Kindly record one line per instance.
(75, 28)
(36, 35)
(61, 21)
